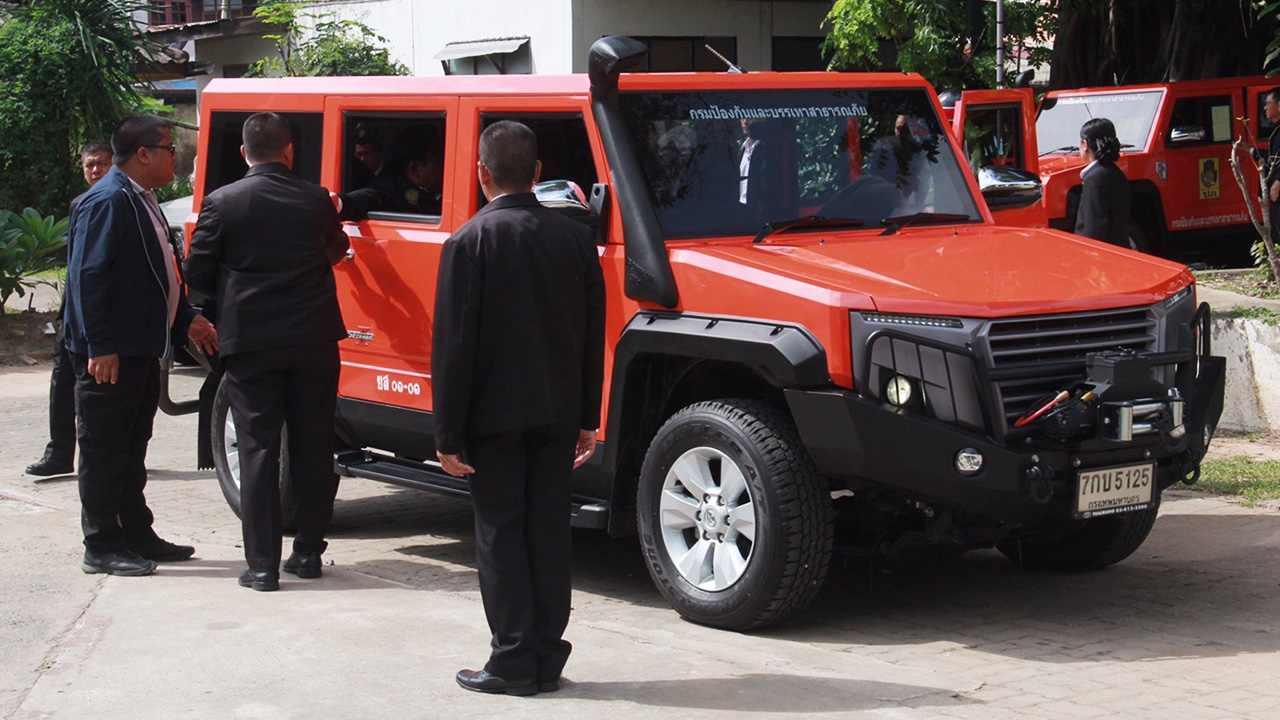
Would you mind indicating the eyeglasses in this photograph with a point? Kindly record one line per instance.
(171, 147)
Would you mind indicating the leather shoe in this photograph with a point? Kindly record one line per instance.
(483, 681)
(304, 565)
(260, 580)
(548, 686)
(49, 465)
(120, 562)
(164, 551)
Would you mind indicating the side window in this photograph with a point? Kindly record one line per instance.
(1200, 121)
(1265, 126)
(563, 147)
(393, 166)
(225, 165)
(993, 136)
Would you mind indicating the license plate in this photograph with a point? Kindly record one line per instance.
(1107, 491)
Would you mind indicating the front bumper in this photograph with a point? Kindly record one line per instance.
(869, 444)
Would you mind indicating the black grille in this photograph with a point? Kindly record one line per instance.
(1038, 356)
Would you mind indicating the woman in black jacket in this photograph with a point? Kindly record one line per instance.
(1105, 198)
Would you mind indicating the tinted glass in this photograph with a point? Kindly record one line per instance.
(1058, 126)
(725, 163)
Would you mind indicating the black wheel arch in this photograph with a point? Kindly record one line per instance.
(665, 361)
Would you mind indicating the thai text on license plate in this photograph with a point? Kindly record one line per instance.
(1106, 491)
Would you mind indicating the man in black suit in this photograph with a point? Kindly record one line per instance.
(263, 247)
(517, 370)
(124, 306)
(95, 161)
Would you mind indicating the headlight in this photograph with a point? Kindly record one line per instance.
(968, 461)
(899, 391)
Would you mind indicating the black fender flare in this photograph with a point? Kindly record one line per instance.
(786, 355)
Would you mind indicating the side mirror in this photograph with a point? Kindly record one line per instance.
(566, 198)
(562, 195)
(1186, 134)
(1006, 188)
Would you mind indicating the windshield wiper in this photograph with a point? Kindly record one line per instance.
(1074, 148)
(807, 221)
(1063, 149)
(894, 224)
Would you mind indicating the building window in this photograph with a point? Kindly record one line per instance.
(792, 54)
(682, 54)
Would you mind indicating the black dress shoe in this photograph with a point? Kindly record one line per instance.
(304, 565)
(548, 686)
(120, 562)
(164, 551)
(262, 581)
(483, 681)
(49, 465)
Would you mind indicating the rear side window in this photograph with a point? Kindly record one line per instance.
(225, 165)
(393, 165)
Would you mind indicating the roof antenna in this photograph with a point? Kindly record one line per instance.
(732, 68)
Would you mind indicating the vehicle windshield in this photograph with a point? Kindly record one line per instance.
(1060, 119)
(721, 163)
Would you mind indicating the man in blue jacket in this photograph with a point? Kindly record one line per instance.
(124, 302)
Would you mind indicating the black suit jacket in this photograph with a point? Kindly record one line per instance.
(518, 338)
(1104, 205)
(263, 248)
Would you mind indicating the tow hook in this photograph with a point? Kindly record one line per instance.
(1039, 481)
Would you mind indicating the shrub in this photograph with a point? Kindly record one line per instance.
(29, 245)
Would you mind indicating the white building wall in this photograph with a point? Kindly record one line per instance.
(753, 23)
(418, 29)
(562, 31)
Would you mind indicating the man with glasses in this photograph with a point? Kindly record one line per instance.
(95, 161)
(123, 301)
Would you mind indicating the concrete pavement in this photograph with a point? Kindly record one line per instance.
(1186, 628)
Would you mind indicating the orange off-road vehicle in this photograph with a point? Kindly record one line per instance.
(1176, 145)
(852, 336)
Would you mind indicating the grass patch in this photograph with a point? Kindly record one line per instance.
(1254, 480)
(1253, 283)
(1266, 315)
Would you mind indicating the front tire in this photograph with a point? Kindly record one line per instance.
(1096, 544)
(735, 522)
(226, 458)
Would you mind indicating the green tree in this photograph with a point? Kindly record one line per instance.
(320, 43)
(68, 70)
(951, 43)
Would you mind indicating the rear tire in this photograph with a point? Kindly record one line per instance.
(1097, 543)
(735, 522)
(1138, 237)
(226, 459)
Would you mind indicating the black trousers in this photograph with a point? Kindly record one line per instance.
(62, 405)
(520, 492)
(295, 387)
(114, 427)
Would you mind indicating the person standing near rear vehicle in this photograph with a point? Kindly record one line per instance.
(1271, 172)
(517, 373)
(95, 161)
(264, 247)
(1105, 197)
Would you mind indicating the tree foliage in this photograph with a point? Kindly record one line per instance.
(67, 75)
(1086, 42)
(951, 42)
(316, 43)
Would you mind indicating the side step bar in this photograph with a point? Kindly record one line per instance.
(591, 514)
